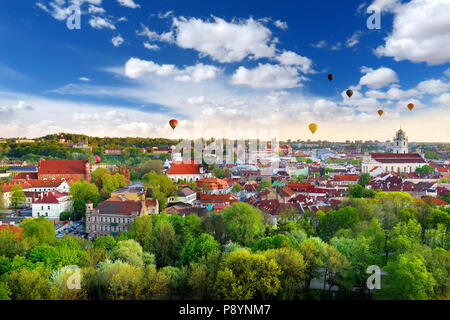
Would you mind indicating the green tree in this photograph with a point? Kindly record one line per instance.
(424, 170)
(10, 244)
(293, 269)
(243, 223)
(243, 275)
(107, 243)
(265, 183)
(407, 279)
(364, 179)
(18, 197)
(312, 252)
(30, 285)
(129, 251)
(198, 248)
(37, 231)
(141, 231)
(82, 192)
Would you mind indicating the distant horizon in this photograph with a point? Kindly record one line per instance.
(293, 140)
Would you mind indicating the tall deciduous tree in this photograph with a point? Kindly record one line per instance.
(243, 223)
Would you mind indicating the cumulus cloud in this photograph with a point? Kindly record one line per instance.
(85, 79)
(443, 99)
(117, 40)
(128, 3)
(136, 68)
(290, 58)
(379, 78)
(421, 31)
(150, 46)
(281, 24)
(218, 38)
(96, 10)
(433, 86)
(267, 76)
(101, 23)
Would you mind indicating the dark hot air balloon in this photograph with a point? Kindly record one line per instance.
(173, 123)
(380, 112)
(330, 77)
(410, 106)
(313, 127)
(349, 93)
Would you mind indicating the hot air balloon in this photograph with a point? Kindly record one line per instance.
(349, 93)
(330, 77)
(380, 112)
(313, 127)
(410, 106)
(173, 123)
(97, 158)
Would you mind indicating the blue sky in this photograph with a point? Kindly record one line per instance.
(232, 67)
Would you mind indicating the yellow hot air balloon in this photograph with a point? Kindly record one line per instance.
(313, 127)
(410, 106)
(380, 112)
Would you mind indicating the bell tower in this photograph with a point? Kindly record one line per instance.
(400, 143)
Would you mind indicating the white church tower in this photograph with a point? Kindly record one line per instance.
(400, 143)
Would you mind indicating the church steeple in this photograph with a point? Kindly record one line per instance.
(400, 143)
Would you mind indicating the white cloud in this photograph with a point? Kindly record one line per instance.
(152, 35)
(320, 44)
(85, 79)
(290, 58)
(117, 40)
(444, 100)
(433, 86)
(379, 78)
(337, 46)
(8, 111)
(101, 23)
(267, 76)
(224, 41)
(150, 46)
(198, 73)
(421, 31)
(122, 19)
(96, 10)
(353, 40)
(165, 15)
(60, 9)
(128, 3)
(197, 101)
(281, 24)
(136, 68)
(447, 72)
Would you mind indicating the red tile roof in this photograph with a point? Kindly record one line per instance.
(346, 178)
(51, 197)
(184, 168)
(62, 166)
(218, 198)
(212, 184)
(119, 206)
(397, 157)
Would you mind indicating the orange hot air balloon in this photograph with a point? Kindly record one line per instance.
(330, 77)
(313, 127)
(349, 93)
(173, 123)
(380, 112)
(410, 106)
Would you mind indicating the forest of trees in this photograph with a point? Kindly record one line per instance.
(237, 254)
